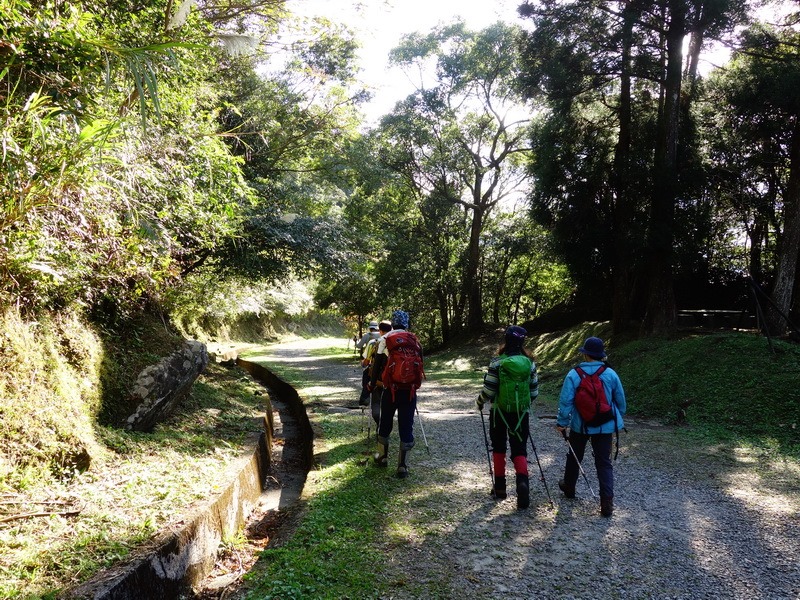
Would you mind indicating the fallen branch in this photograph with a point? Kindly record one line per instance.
(65, 513)
(26, 501)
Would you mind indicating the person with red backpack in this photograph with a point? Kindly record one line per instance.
(511, 385)
(398, 363)
(591, 405)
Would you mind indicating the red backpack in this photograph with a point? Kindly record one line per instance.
(403, 370)
(590, 399)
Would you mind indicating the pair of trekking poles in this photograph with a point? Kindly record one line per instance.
(536, 454)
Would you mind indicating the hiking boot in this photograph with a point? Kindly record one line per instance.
(523, 492)
(381, 457)
(499, 489)
(606, 505)
(569, 490)
(402, 469)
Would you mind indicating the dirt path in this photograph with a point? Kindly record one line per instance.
(690, 521)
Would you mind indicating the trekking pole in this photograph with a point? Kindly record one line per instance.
(419, 416)
(488, 453)
(369, 422)
(544, 481)
(575, 456)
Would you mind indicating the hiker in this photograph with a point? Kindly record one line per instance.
(510, 385)
(396, 398)
(581, 431)
(370, 334)
(375, 392)
(365, 345)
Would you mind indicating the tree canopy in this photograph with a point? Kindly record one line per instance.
(582, 160)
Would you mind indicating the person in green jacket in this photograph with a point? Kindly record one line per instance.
(510, 426)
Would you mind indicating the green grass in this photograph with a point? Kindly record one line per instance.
(728, 384)
(328, 555)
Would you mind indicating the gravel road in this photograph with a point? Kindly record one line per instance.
(690, 521)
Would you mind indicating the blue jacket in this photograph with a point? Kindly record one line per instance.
(569, 417)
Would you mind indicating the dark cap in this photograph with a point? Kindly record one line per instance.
(515, 336)
(593, 347)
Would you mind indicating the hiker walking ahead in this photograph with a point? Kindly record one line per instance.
(591, 405)
(372, 366)
(510, 384)
(399, 365)
(366, 346)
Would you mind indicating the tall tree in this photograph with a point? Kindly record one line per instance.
(461, 136)
(613, 59)
(760, 87)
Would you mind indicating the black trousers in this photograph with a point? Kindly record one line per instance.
(601, 446)
(500, 432)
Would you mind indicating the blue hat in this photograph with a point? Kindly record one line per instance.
(400, 319)
(593, 347)
(515, 336)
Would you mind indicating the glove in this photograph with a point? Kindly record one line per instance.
(480, 402)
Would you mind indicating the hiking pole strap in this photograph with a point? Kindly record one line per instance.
(486, 441)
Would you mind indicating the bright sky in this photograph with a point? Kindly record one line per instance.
(379, 24)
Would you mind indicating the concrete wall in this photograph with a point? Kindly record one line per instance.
(180, 558)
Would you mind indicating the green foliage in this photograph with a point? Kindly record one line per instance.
(448, 155)
(207, 307)
(79, 221)
(741, 385)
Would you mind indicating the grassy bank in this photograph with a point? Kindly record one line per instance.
(136, 486)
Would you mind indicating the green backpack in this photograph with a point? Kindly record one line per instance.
(514, 394)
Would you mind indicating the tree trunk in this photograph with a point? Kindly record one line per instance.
(501, 287)
(444, 314)
(623, 210)
(661, 314)
(472, 287)
(790, 242)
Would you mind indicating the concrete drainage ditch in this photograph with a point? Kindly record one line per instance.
(270, 478)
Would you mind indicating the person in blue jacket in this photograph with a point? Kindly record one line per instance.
(593, 354)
